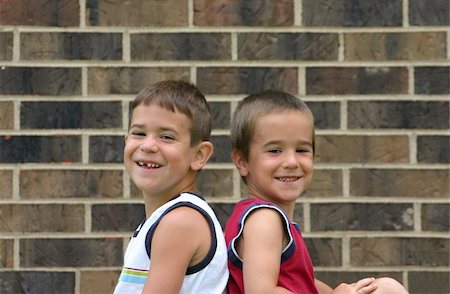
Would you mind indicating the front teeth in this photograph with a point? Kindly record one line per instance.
(287, 179)
(149, 165)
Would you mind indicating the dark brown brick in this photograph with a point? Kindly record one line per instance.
(429, 13)
(41, 184)
(183, 46)
(288, 46)
(6, 45)
(334, 278)
(98, 282)
(222, 149)
(71, 46)
(351, 13)
(327, 115)
(60, 13)
(92, 252)
(6, 182)
(222, 211)
(362, 149)
(429, 282)
(432, 80)
(433, 149)
(245, 80)
(40, 81)
(64, 218)
(399, 251)
(221, 114)
(130, 80)
(117, 217)
(400, 182)
(243, 12)
(362, 217)
(435, 217)
(398, 115)
(396, 46)
(6, 254)
(135, 193)
(325, 251)
(356, 80)
(6, 115)
(106, 149)
(325, 183)
(71, 115)
(215, 183)
(21, 282)
(25, 149)
(138, 13)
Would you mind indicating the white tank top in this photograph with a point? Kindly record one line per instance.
(210, 276)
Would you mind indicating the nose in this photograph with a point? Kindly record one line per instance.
(150, 144)
(290, 160)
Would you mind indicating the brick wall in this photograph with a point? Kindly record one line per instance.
(375, 73)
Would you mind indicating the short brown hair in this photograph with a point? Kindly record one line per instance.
(252, 107)
(183, 97)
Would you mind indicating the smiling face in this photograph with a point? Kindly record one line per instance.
(158, 154)
(280, 162)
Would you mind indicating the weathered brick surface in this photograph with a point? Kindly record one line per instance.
(429, 282)
(6, 45)
(137, 13)
(397, 182)
(349, 13)
(362, 217)
(37, 282)
(375, 74)
(64, 218)
(90, 252)
(116, 217)
(362, 149)
(287, 46)
(435, 217)
(71, 46)
(184, 46)
(27, 149)
(241, 12)
(242, 80)
(400, 251)
(98, 282)
(6, 115)
(61, 13)
(396, 46)
(130, 80)
(6, 177)
(6, 253)
(432, 80)
(385, 114)
(70, 115)
(429, 13)
(40, 81)
(106, 149)
(433, 149)
(42, 184)
(353, 80)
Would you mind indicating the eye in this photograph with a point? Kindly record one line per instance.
(274, 151)
(138, 133)
(167, 137)
(303, 150)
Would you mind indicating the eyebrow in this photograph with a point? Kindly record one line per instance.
(301, 142)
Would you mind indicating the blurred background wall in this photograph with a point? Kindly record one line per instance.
(376, 75)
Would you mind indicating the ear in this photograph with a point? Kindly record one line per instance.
(203, 152)
(240, 162)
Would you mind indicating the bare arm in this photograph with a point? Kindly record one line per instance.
(181, 239)
(260, 247)
(322, 288)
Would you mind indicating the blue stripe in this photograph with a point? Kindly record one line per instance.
(132, 279)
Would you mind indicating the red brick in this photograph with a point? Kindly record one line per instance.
(98, 282)
(6, 183)
(6, 44)
(325, 183)
(6, 253)
(6, 115)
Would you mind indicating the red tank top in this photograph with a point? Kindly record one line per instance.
(296, 270)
